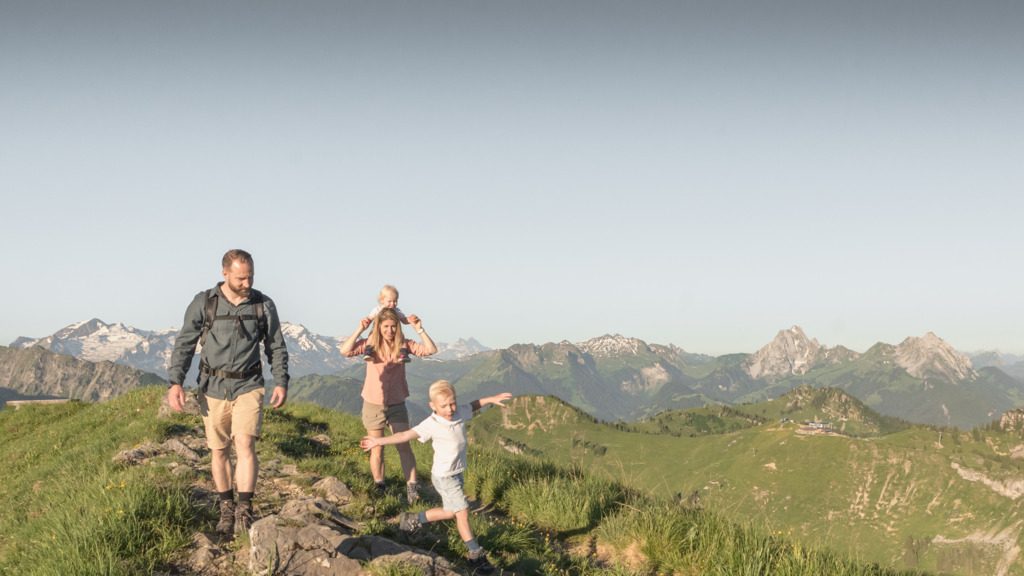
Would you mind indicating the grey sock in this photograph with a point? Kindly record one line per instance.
(422, 517)
(473, 547)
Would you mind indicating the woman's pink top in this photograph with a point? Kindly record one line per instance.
(385, 381)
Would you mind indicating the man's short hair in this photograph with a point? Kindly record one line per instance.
(236, 254)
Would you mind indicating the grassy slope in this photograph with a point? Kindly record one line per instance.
(868, 497)
(68, 510)
(696, 421)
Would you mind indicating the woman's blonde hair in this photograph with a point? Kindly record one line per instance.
(440, 389)
(386, 350)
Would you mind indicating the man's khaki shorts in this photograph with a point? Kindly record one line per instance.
(377, 417)
(226, 419)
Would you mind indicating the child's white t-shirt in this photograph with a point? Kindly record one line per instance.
(449, 438)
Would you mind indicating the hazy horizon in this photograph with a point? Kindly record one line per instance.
(703, 174)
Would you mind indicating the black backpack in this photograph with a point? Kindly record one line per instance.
(210, 314)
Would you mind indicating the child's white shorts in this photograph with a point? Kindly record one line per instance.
(453, 498)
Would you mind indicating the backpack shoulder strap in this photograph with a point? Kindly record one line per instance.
(209, 314)
(261, 316)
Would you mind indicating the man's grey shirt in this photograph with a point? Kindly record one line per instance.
(232, 346)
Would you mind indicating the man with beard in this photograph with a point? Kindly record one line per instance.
(229, 322)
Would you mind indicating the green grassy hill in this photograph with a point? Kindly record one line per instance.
(715, 419)
(920, 497)
(69, 509)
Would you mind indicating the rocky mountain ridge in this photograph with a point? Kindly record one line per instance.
(613, 345)
(614, 377)
(931, 356)
(96, 341)
(36, 372)
(791, 352)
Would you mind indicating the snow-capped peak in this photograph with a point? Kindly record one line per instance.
(612, 345)
(293, 330)
(459, 349)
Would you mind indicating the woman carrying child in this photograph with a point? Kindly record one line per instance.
(385, 388)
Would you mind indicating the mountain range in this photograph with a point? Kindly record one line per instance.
(616, 378)
(97, 341)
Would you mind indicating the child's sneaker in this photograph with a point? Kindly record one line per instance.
(409, 522)
(479, 564)
(412, 492)
(403, 355)
(368, 353)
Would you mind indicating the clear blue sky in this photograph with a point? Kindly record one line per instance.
(696, 173)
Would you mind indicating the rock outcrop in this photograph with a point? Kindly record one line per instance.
(310, 537)
(930, 356)
(611, 345)
(1013, 421)
(790, 353)
(37, 371)
(302, 530)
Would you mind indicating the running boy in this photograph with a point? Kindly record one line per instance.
(446, 427)
(387, 298)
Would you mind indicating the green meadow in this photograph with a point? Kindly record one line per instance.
(68, 509)
(917, 498)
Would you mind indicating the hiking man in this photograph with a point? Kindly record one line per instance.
(228, 322)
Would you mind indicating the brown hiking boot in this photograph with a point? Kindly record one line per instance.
(243, 517)
(226, 524)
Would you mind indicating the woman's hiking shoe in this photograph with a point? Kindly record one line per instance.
(226, 524)
(412, 492)
(368, 353)
(409, 522)
(243, 517)
(403, 355)
(480, 564)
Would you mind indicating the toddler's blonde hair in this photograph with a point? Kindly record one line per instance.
(388, 289)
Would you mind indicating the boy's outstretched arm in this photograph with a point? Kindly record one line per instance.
(497, 399)
(369, 442)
